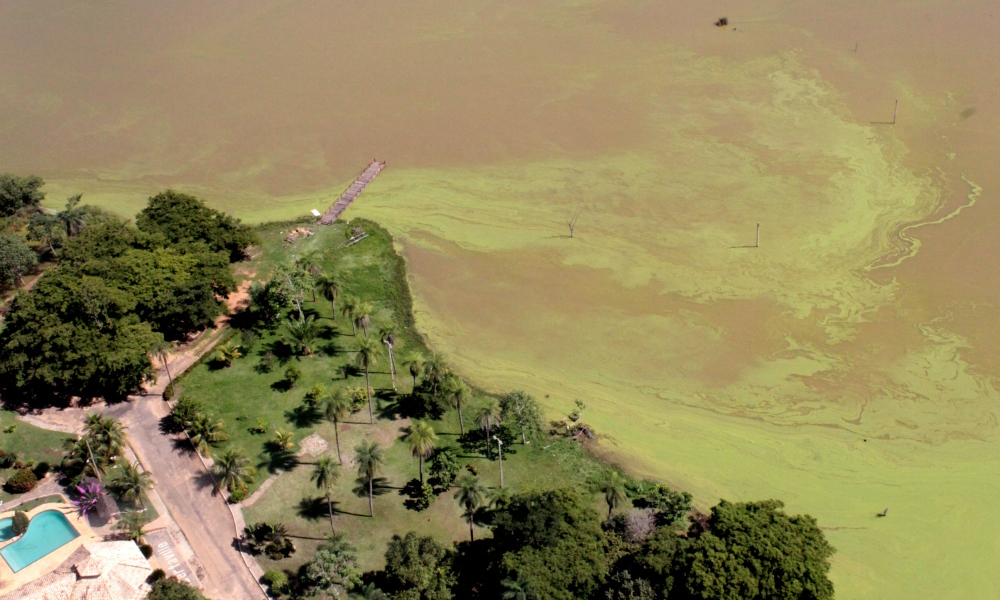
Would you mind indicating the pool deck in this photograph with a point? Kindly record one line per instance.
(10, 580)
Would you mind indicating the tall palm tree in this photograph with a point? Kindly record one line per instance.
(470, 496)
(108, 433)
(79, 455)
(132, 482)
(205, 431)
(329, 288)
(347, 308)
(613, 488)
(435, 371)
(301, 334)
(233, 469)
(338, 406)
(368, 457)
(421, 441)
(325, 474)
(389, 339)
(487, 418)
(363, 316)
(367, 359)
(72, 219)
(161, 349)
(455, 390)
(131, 522)
(415, 364)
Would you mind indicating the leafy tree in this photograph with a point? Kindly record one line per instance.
(338, 407)
(523, 410)
(185, 220)
(334, 564)
(553, 540)
(421, 440)
(292, 375)
(624, 587)
(366, 359)
(185, 411)
(330, 289)
(173, 589)
(420, 565)
(20, 522)
(325, 474)
(16, 259)
(132, 481)
(516, 588)
(671, 506)
(488, 417)
(369, 592)
(300, 334)
(613, 488)
(457, 392)
(444, 466)
(369, 459)
(269, 538)
(46, 230)
(18, 192)
(470, 496)
(233, 470)
(754, 551)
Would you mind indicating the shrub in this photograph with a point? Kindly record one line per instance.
(314, 394)
(248, 341)
(7, 459)
(444, 467)
(156, 575)
(292, 375)
(237, 495)
(10, 428)
(267, 363)
(21, 482)
(187, 409)
(146, 549)
(173, 589)
(261, 426)
(42, 469)
(275, 580)
(359, 399)
(20, 524)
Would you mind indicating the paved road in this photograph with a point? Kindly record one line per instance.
(187, 490)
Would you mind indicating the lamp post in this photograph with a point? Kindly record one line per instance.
(500, 454)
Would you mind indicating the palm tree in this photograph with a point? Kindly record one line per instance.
(160, 349)
(613, 488)
(369, 592)
(363, 316)
(456, 390)
(389, 339)
(470, 496)
(205, 431)
(301, 334)
(435, 370)
(72, 218)
(368, 457)
(348, 308)
(416, 366)
(233, 469)
(283, 439)
(227, 353)
(79, 455)
(108, 433)
(338, 406)
(515, 588)
(132, 482)
(131, 523)
(421, 440)
(325, 474)
(366, 359)
(487, 418)
(329, 288)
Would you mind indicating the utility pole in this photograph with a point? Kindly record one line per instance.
(93, 462)
(500, 454)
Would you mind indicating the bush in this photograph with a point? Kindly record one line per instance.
(444, 467)
(146, 549)
(173, 589)
(187, 409)
(42, 469)
(261, 426)
(238, 495)
(20, 524)
(248, 341)
(267, 363)
(7, 459)
(156, 575)
(21, 482)
(275, 580)
(292, 375)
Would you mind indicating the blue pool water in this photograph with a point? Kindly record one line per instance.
(47, 531)
(6, 529)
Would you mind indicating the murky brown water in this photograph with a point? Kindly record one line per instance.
(848, 364)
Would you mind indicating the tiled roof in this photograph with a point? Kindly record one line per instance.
(104, 571)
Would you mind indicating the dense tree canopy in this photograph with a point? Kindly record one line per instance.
(419, 568)
(173, 589)
(18, 192)
(185, 221)
(16, 259)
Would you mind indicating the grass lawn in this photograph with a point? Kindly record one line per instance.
(30, 443)
(241, 394)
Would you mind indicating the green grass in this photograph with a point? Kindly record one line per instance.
(373, 272)
(28, 441)
(32, 504)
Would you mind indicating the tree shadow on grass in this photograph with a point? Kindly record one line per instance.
(315, 509)
(282, 386)
(275, 460)
(380, 487)
(303, 415)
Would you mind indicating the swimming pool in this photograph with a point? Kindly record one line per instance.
(47, 531)
(6, 529)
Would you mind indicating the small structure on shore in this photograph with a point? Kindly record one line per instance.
(722, 22)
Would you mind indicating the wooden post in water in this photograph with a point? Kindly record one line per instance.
(894, 111)
(855, 46)
(757, 245)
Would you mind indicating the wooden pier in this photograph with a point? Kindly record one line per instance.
(351, 193)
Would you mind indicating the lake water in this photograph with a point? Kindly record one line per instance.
(847, 365)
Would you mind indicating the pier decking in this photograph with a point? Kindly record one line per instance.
(351, 193)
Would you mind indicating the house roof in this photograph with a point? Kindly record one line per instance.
(97, 571)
